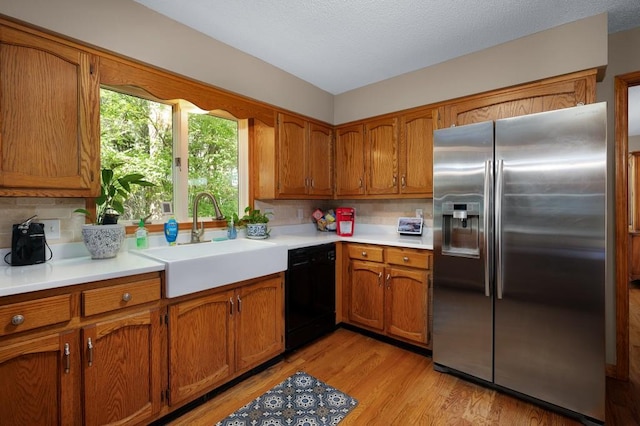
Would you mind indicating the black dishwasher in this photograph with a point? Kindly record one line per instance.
(310, 294)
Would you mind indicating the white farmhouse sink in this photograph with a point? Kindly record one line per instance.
(196, 267)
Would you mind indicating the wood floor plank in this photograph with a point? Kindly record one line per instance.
(397, 387)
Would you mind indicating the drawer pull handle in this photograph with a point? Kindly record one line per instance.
(239, 304)
(380, 279)
(364, 254)
(406, 259)
(126, 297)
(67, 358)
(231, 306)
(17, 320)
(388, 280)
(90, 351)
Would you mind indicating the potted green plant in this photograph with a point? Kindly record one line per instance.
(104, 236)
(255, 223)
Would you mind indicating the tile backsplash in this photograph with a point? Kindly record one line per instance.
(18, 209)
(375, 212)
(285, 212)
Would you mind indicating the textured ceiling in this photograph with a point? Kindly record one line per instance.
(339, 45)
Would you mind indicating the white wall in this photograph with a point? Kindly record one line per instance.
(568, 48)
(132, 30)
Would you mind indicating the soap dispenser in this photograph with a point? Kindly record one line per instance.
(171, 231)
(142, 236)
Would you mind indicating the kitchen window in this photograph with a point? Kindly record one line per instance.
(180, 148)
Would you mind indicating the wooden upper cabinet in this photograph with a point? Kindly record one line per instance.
(49, 118)
(416, 152)
(550, 94)
(292, 151)
(350, 161)
(302, 159)
(320, 160)
(382, 156)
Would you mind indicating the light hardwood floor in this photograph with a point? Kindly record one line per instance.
(398, 387)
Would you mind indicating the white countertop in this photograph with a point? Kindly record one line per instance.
(77, 270)
(72, 265)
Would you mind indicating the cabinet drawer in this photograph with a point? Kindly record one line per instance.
(370, 253)
(415, 259)
(106, 299)
(34, 313)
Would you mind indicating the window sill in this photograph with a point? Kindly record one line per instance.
(182, 226)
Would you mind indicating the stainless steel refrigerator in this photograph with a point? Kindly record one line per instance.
(519, 256)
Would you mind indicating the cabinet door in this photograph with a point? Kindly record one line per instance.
(320, 160)
(552, 94)
(122, 369)
(259, 322)
(349, 160)
(382, 156)
(292, 155)
(49, 118)
(40, 381)
(416, 152)
(366, 303)
(200, 344)
(406, 301)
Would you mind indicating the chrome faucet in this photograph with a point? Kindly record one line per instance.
(196, 233)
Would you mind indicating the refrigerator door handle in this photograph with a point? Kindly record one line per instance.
(488, 185)
(498, 227)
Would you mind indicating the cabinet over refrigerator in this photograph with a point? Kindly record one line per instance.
(519, 256)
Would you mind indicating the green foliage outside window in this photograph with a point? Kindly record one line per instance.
(213, 162)
(137, 135)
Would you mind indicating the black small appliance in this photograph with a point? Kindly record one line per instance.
(27, 243)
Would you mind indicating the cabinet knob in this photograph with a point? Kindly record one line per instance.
(406, 259)
(17, 319)
(364, 254)
(126, 297)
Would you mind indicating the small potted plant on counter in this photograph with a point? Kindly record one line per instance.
(255, 223)
(104, 236)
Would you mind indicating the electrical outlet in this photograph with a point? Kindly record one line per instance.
(419, 213)
(51, 228)
(300, 214)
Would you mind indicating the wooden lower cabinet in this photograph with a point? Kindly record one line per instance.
(201, 351)
(367, 294)
(406, 295)
(220, 335)
(77, 369)
(390, 292)
(40, 380)
(122, 369)
(139, 357)
(259, 327)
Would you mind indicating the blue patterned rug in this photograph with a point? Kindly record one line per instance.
(301, 400)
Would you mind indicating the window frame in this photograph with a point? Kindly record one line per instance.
(180, 163)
